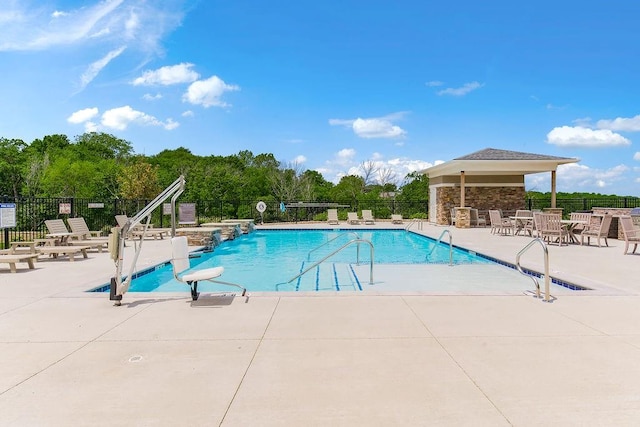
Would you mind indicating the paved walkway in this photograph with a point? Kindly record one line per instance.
(68, 357)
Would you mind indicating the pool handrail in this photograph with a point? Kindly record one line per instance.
(450, 245)
(547, 297)
(414, 221)
(350, 242)
(331, 240)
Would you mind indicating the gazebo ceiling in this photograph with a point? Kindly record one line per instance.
(491, 161)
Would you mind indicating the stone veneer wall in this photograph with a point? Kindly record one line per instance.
(481, 198)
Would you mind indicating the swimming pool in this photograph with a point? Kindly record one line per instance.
(266, 260)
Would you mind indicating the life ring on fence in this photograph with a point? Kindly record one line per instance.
(261, 206)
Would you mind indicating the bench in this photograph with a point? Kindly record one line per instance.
(70, 251)
(12, 259)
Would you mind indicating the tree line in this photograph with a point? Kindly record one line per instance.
(102, 166)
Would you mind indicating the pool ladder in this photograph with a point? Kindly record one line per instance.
(414, 222)
(547, 296)
(450, 245)
(356, 240)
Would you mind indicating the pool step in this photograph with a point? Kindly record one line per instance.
(328, 276)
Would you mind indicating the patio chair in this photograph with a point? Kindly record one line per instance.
(533, 227)
(477, 220)
(552, 229)
(630, 232)
(332, 216)
(522, 219)
(367, 216)
(598, 231)
(352, 218)
(396, 219)
(453, 216)
(498, 224)
(180, 263)
(582, 216)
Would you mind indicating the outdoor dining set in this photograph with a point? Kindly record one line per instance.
(580, 227)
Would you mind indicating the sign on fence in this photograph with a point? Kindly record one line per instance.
(64, 208)
(187, 213)
(7, 215)
(95, 205)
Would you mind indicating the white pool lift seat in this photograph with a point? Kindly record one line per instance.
(180, 263)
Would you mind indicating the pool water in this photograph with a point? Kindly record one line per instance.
(266, 260)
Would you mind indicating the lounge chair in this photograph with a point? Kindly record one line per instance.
(367, 216)
(59, 235)
(498, 224)
(139, 231)
(352, 218)
(79, 226)
(396, 219)
(601, 230)
(180, 263)
(552, 228)
(630, 232)
(13, 259)
(332, 216)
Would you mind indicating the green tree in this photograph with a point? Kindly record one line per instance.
(12, 161)
(138, 180)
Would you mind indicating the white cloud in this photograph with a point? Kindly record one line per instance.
(169, 75)
(299, 160)
(345, 163)
(461, 91)
(636, 156)
(83, 115)
(208, 92)
(188, 113)
(578, 136)
(91, 127)
(576, 177)
(621, 124)
(120, 118)
(139, 23)
(380, 127)
(95, 68)
(149, 97)
(434, 83)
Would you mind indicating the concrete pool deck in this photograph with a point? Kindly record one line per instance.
(68, 357)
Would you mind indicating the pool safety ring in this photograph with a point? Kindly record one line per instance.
(261, 206)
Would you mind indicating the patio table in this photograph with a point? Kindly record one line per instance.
(520, 223)
(571, 225)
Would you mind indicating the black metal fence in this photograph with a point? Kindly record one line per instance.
(31, 213)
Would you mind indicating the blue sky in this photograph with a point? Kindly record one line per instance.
(330, 85)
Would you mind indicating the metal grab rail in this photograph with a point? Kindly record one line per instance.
(450, 245)
(414, 221)
(331, 240)
(546, 268)
(350, 242)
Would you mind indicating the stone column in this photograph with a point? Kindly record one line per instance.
(463, 217)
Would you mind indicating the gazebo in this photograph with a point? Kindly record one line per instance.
(486, 179)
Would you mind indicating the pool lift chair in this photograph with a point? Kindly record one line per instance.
(180, 262)
(119, 284)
